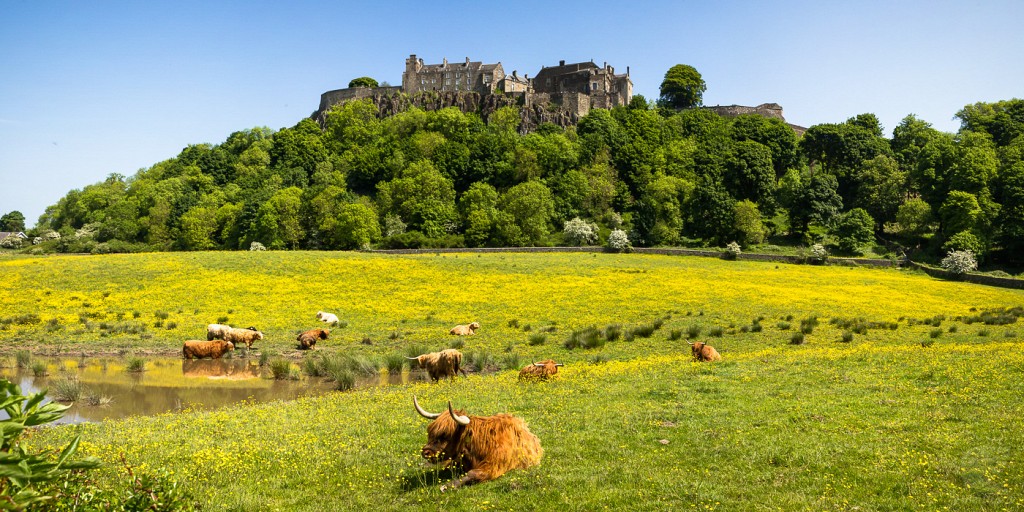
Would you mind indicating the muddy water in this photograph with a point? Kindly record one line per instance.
(172, 384)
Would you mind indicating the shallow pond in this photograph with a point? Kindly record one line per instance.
(171, 384)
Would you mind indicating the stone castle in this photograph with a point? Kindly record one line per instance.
(559, 94)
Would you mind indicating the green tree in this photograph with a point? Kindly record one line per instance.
(422, 197)
(749, 174)
(853, 229)
(882, 187)
(682, 87)
(816, 203)
(12, 221)
(1003, 121)
(914, 217)
(363, 81)
(531, 207)
(712, 212)
(748, 224)
(773, 133)
(478, 207)
(1010, 192)
(356, 226)
(960, 212)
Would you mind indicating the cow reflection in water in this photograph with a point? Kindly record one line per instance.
(219, 369)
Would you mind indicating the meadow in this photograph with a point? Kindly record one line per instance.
(903, 392)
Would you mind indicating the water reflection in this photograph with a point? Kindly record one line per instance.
(172, 384)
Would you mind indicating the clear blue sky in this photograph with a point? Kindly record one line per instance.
(93, 88)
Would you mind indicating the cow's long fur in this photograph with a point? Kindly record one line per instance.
(199, 349)
(465, 330)
(247, 336)
(446, 363)
(704, 352)
(533, 372)
(308, 339)
(216, 331)
(487, 448)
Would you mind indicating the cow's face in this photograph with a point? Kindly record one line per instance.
(323, 334)
(443, 433)
(474, 326)
(231, 346)
(697, 348)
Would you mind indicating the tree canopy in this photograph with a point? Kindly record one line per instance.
(682, 87)
(363, 81)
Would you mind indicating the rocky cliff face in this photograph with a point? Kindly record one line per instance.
(391, 103)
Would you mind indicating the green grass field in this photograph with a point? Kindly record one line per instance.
(919, 411)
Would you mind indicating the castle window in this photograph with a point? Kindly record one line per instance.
(593, 86)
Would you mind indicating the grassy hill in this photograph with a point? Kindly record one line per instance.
(919, 410)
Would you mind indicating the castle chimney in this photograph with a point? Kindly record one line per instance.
(444, 62)
(467, 61)
(606, 64)
(561, 63)
(627, 70)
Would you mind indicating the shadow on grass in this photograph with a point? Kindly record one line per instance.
(429, 477)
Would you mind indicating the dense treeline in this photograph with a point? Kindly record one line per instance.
(664, 177)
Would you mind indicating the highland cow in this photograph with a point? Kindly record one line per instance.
(307, 340)
(328, 318)
(216, 331)
(704, 352)
(486, 447)
(196, 349)
(539, 371)
(247, 336)
(465, 330)
(446, 363)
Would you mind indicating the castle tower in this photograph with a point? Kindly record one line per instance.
(410, 82)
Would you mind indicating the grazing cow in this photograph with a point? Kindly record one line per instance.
(539, 371)
(446, 363)
(465, 330)
(247, 336)
(200, 349)
(486, 447)
(328, 318)
(704, 352)
(216, 331)
(308, 339)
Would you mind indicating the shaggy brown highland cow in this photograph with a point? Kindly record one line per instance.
(196, 349)
(539, 371)
(307, 340)
(486, 447)
(704, 352)
(446, 363)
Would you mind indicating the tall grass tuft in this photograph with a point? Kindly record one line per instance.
(39, 369)
(510, 361)
(716, 331)
(23, 358)
(457, 343)
(612, 332)
(135, 365)
(847, 336)
(589, 337)
(797, 338)
(67, 389)
(537, 338)
(280, 368)
(479, 361)
(693, 331)
(675, 335)
(394, 362)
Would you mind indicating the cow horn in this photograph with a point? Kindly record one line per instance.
(538, 364)
(412, 358)
(425, 414)
(559, 364)
(461, 420)
(688, 343)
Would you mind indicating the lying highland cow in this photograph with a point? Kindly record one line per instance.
(446, 363)
(216, 331)
(539, 371)
(328, 318)
(247, 336)
(486, 447)
(195, 349)
(704, 352)
(465, 330)
(307, 340)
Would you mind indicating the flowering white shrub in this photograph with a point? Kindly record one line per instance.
(256, 246)
(11, 242)
(580, 232)
(393, 225)
(818, 253)
(732, 250)
(960, 262)
(618, 240)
